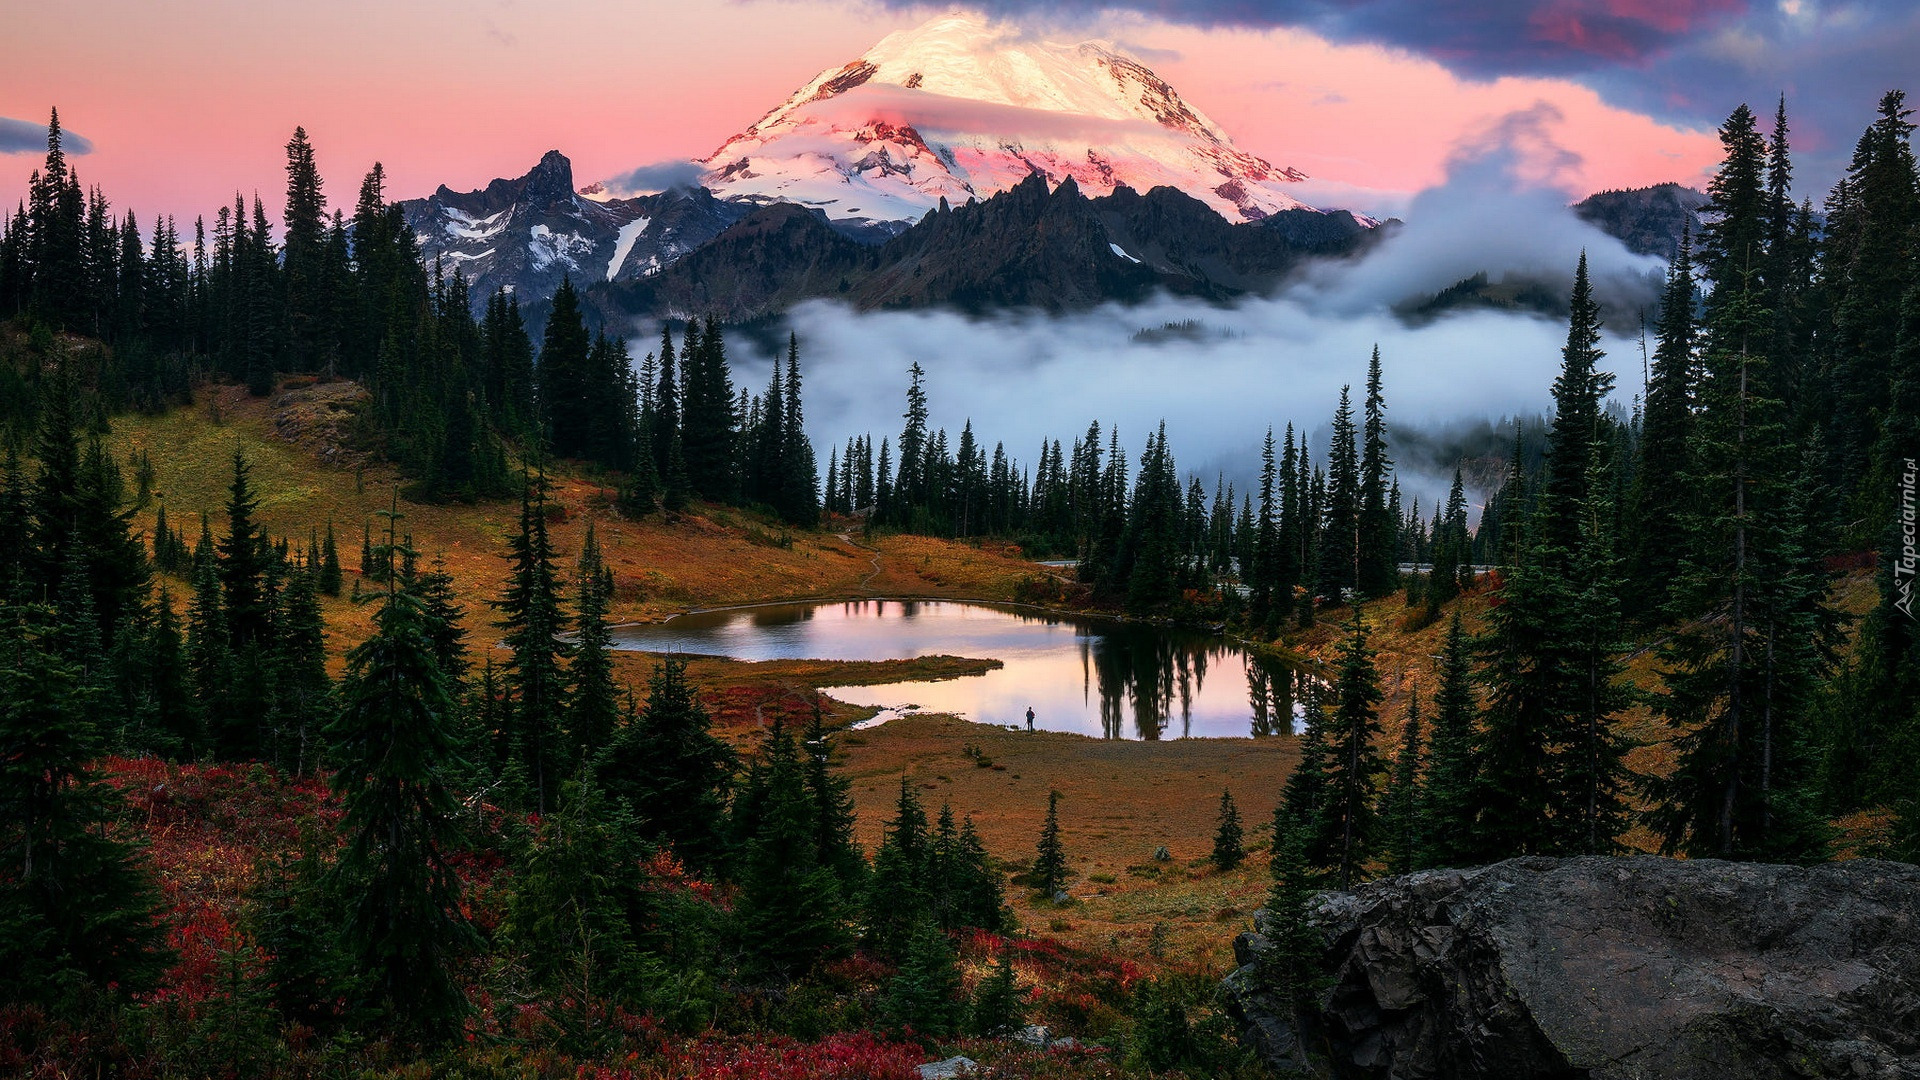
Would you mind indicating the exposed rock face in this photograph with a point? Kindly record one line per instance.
(1026, 247)
(1648, 220)
(1606, 969)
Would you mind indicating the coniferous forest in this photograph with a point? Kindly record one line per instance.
(514, 861)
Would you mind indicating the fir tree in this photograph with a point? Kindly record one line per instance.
(76, 907)
(1661, 496)
(672, 771)
(1049, 874)
(308, 282)
(594, 707)
(1404, 815)
(995, 1009)
(1304, 801)
(393, 739)
(1297, 955)
(708, 422)
(1340, 513)
(565, 384)
(1449, 800)
(579, 905)
(303, 692)
(532, 619)
(1378, 527)
(925, 997)
(897, 897)
(435, 588)
(789, 903)
(1594, 774)
(833, 813)
(1578, 425)
(1228, 849)
(1353, 762)
(1748, 568)
(1162, 1036)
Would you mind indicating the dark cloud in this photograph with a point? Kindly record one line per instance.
(1684, 62)
(1471, 36)
(28, 137)
(1832, 61)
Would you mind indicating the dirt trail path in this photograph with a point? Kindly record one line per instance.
(866, 583)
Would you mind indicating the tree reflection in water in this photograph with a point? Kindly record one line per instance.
(1097, 677)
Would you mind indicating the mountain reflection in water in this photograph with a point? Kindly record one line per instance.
(1097, 677)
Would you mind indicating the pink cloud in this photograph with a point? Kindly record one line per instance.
(187, 103)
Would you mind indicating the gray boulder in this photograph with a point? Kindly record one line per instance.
(1604, 969)
(950, 1069)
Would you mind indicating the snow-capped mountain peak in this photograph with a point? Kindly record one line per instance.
(961, 107)
(529, 232)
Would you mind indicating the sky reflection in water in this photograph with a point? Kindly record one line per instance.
(1095, 677)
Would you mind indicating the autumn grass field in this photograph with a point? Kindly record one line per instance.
(711, 557)
(1122, 802)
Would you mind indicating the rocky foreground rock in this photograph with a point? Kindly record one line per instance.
(1604, 969)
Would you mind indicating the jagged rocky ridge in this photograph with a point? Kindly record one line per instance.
(1605, 969)
(1035, 245)
(527, 234)
(1028, 247)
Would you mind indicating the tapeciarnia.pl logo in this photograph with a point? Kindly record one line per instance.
(1904, 564)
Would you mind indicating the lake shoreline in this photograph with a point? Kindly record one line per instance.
(1095, 674)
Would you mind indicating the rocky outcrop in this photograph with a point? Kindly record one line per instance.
(1605, 969)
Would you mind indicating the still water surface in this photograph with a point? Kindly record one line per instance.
(1097, 677)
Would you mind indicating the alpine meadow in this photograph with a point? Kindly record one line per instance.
(986, 570)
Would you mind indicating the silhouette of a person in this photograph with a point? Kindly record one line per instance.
(1029, 718)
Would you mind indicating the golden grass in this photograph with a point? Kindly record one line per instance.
(711, 557)
(1122, 800)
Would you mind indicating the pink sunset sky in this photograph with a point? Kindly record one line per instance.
(185, 103)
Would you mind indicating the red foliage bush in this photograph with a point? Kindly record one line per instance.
(857, 1056)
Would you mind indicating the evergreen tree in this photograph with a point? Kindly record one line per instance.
(435, 588)
(1661, 495)
(925, 997)
(789, 903)
(897, 897)
(1749, 597)
(1594, 778)
(995, 1009)
(1869, 270)
(77, 910)
(1451, 547)
(302, 690)
(1304, 801)
(1353, 762)
(580, 905)
(1579, 393)
(310, 316)
(671, 770)
(393, 739)
(1450, 800)
(1297, 946)
(708, 422)
(1228, 849)
(1049, 873)
(833, 814)
(532, 619)
(1340, 511)
(1378, 527)
(1404, 815)
(594, 708)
